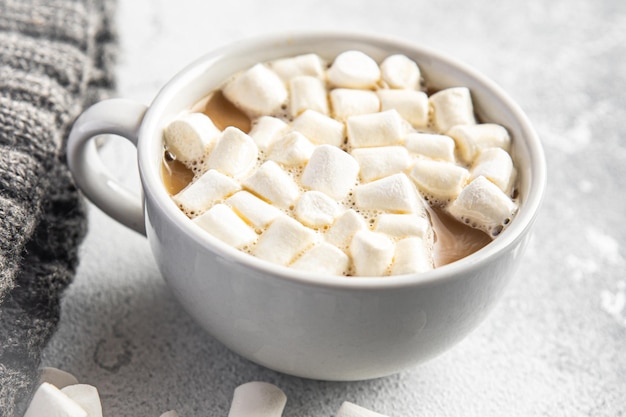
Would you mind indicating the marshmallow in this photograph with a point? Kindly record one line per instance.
(171, 413)
(346, 102)
(412, 256)
(484, 206)
(411, 104)
(331, 171)
(307, 93)
(86, 396)
(375, 129)
(56, 377)
(496, 165)
(50, 401)
(348, 409)
(402, 225)
(223, 223)
(319, 129)
(201, 194)
(266, 130)
(395, 193)
(307, 64)
(273, 184)
(341, 232)
(283, 240)
(257, 91)
(190, 136)
(316, 209)
(259, 399)
(353, 69)
(440, 180)
(451, 107)
(252, 209)
(471, 139)
(398, 71)
(323, 258)
(381, 162)
(235, 154)
(371, 253)
(431, 145)
(293, 149)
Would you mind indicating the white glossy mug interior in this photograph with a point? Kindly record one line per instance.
(299, 323)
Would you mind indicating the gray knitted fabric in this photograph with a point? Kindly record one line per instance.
(55, 59)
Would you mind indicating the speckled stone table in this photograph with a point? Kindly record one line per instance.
(556, 343)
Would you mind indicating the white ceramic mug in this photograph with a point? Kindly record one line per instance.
(321, 327)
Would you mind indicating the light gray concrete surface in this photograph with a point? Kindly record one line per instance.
(556, 343)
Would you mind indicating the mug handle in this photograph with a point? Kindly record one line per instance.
(117, 117)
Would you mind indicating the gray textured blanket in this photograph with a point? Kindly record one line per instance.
(55, 59)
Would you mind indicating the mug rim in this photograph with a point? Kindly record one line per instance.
(153, 187)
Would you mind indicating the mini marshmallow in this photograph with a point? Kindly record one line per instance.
(431, 145)
(273, 184)
(307, 93)
(323, 258)
(346, 102)
(252, 209)
(283, 240)
(398, 71)
(341, 232)
(50, 401)
(57, 377)
(170, 413)
(402, 225)
(257, 91)
(331, 171)
(438, 179)
(235, 153)
(375, 129)
(381, 161)
(353, 69)
(471, 139)
(86, 396)
(292, 150)
(266, 130)
(348, 409)
(223, 223)
(483, 205)
(316, 209)
(451, 107)
(319, 129)
(394, 193)
(307, 64)
(411, 104)
(201, 194)
(412, 256)
(371, 253)
(190, 136)
(259, 399)
(496, 165)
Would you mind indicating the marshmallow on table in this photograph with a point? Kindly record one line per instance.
(398, 71)
(452, 106)
(496, 165)
(307, 64)
(381, 161)
(171, 413)
(56, 377)
(411, 104)
(323, 258)
(471, 139)
(353, 69)
(375, 129)
(252, 209)
(307, 93)
(234, 154)
(257, 91)
(372, 253)
(319, 128)
(86, 396)
(484, 206)
(431, 145)
(273, 184)
(346, 102)
(190, 136)
(412, 255)
(341, 232)
(348, 409)
(266, 130)
(402, 225)
(394, 193)
(283, 240)
(258, 399)
(201, 194)
(292, 149)
(331, 171)
(316, 209)
(439, 179)
(223, 223)
(51, 401)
